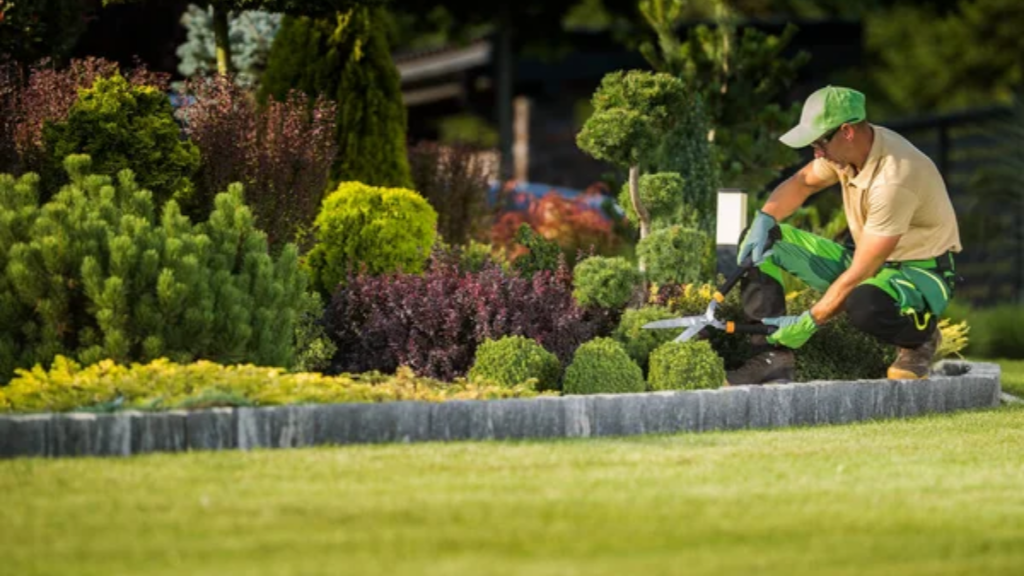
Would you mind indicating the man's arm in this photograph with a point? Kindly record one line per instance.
(871, 253)
(792, 193)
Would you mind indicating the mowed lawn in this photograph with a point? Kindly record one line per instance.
(930, 496)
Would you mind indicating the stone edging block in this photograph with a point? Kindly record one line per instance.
(955, 386)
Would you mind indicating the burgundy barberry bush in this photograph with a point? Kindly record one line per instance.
(280, 152)
(434, 322)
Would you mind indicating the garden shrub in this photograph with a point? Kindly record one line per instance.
(512, 360)
(281, 152)
(602, 366)
(454, 180)
(46, 97)
(674, 254)
(98, 273)
(379, 229)
(124, 126)
(164, 385)
(954, 338)
(434, 322)
(638, 341)
(314, 349)
(838, 350)
(691, 365)
(605, 282)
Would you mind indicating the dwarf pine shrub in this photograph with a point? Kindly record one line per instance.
(99, 273)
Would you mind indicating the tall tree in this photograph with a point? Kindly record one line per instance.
(742, 75)
(346, 58)
(925, 60)
(33, 30)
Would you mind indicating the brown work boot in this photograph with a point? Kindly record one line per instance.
(768, 367)
(915, 363)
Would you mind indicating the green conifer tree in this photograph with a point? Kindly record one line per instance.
(347, 59)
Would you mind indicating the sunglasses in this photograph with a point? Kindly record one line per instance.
(824, 140)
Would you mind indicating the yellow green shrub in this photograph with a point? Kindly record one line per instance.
(954, 338)
(162, 384)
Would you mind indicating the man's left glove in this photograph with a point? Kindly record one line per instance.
(793, 331)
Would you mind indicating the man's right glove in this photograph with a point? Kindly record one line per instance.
(756, 239)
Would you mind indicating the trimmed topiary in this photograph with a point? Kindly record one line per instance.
(604, 282)
(512, 360)
(381, 229)
(602, 366)
(638, 341)
(689, 365)
(674, 255)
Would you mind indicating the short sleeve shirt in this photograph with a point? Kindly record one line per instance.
(899, 192)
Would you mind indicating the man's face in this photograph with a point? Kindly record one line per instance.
(830, 146)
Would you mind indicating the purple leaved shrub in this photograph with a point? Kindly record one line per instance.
(434, 322)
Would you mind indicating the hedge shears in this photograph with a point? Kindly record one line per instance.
(694, 324)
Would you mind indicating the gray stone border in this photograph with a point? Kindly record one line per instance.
(955, 386)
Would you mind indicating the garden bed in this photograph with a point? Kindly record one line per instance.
(955, 386)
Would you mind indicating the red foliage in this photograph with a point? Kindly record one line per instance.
(281, 152)
(571, 223)
(435, 321)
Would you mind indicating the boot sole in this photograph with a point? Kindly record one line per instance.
(901, 374)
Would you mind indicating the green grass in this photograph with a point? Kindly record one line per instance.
(1012, 377)
(933, 496)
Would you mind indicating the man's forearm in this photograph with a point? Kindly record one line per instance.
(831, 304)
(786, 199)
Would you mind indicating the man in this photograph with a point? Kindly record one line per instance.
(896, 280)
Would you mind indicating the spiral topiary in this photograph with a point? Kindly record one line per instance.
(602, 366)
(512, 360)
(689, 365)
(674, 255)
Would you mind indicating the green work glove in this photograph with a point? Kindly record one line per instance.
(756, 239)
(793, 331)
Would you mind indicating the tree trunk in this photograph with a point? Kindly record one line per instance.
(641, 211)
(220, 34)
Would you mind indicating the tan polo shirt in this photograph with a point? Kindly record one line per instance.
(899, 192)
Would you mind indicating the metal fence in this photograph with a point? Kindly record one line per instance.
(966, 146)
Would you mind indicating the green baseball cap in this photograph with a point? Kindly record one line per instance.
(824, 111)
